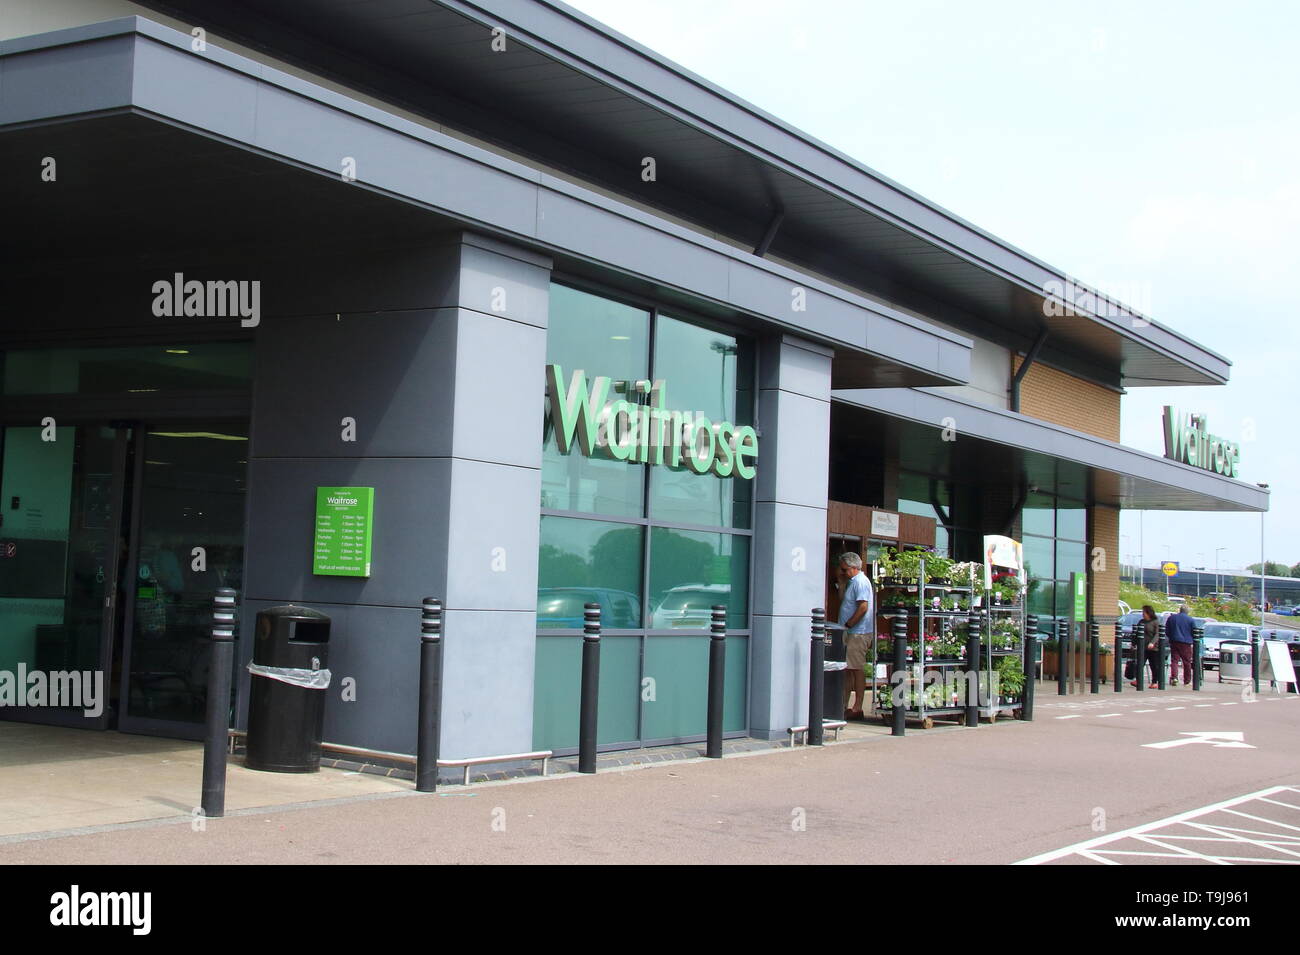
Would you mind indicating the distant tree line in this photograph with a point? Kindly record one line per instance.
(1276, 570)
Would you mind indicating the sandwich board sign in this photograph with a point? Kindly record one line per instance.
(1275, 664)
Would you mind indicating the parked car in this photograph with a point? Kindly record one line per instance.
(561, 608)
(689, 607)
(1215, 634)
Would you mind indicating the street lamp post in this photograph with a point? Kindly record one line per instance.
(1218, 588)
(1263, 564)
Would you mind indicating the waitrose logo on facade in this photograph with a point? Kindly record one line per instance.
(1187, 439)
(644, 432)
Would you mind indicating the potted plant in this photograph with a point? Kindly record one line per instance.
(1011, 679)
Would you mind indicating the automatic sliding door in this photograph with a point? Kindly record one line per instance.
(60, 549)
(189, 541)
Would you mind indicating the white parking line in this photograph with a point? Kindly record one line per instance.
(1106, 715)
(1199, 705)
(1228, 704)
(1175, 708)
(1146, 833)
(1144, 711)
(1072, 716)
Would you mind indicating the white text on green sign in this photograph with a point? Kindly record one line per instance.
(645, 433)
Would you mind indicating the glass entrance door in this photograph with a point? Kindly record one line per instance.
(61, 550)
(187, 541)
(113, 540)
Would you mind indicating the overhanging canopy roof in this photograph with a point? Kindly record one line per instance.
(576, 95)
(1002, 448)
(164, 153)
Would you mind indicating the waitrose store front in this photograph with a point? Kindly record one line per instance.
(564, 382)
(648, 470)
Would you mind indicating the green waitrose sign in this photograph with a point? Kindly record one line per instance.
(1188, 439)
(344, 518)
(644, 432)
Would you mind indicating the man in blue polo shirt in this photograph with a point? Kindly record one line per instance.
(1178, 628)
(858, 618)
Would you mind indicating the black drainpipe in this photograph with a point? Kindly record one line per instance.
(770, 234)
(1024, 367)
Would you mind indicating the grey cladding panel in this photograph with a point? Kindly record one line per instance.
(310, 373)
(67, 80)
(409, 556)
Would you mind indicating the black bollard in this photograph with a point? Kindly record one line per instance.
(898, 687)
(217, 740)
(1094, 639)
(1140, 657)
(428, 727)
(973, 669)
(1254, 659)
(1198, 648)
(590, 688)
(717, 680)
(1030, 665)
(1162, 674)
(1118, 654)
(1064, 650)
(816, 678)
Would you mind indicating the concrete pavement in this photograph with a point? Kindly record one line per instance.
(995, 794)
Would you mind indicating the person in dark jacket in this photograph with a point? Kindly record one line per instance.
(1178, 628)
(1149, 634)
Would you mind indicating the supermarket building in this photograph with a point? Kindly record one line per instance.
(266, 249)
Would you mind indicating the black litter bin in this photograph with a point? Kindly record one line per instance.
(286, 705)
(833, 681)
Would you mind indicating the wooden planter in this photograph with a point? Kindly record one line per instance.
(1051, 663)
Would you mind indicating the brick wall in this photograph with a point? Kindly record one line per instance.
(1054, 396)
(1104, 584)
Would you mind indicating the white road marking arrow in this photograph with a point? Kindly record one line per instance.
(1230, 740)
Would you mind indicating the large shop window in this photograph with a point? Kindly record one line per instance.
(1054, 536)
(656, 547)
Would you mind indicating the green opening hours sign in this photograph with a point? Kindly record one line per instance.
(344, 519)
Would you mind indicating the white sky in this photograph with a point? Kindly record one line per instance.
(1152, 148)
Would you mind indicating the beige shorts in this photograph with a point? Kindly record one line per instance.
(856, 646)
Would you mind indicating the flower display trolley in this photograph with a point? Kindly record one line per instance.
(940, 601)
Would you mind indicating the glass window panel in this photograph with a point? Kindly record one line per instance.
(1040, 598)
(918, 494)
(600, 337)
(700, 369)
(1064, 598)
(1038, 514)
(1071, 520)
(1071, 558)
(1038, 554)
(582, 561)
(690, 571)
(137, 369)
(557, 691)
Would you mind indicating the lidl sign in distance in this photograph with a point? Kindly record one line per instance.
(344, 516)
(1169, 568)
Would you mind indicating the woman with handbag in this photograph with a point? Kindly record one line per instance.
(1149, 634)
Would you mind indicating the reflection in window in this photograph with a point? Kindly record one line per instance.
(584, 561)
(690, 572)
